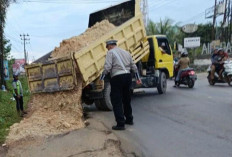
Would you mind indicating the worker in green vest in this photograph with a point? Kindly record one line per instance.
(18, 95)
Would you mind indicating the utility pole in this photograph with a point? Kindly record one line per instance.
(224, 35)
(25, 38)
(230, 23)
(214, 20)
(1, 44)
(225, 13)
(145, 12)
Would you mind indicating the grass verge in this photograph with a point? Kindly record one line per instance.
(8, 113)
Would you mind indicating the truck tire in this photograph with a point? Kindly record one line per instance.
(104, 104)
(88, 101)
(162, 86)
(85, 98)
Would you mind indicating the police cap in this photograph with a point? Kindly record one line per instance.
(111, 42)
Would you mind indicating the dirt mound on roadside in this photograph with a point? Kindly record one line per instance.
(59, 112)
(51, 114)
(76, 43)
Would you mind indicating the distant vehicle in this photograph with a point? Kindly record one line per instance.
(188, 77)
(226, 74)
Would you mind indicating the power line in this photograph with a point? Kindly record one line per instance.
(15, 48)
(15, 28)
(68, 2)
(12, 38)
(162, 4)
(159, 4)
(194, 17)
(156, 3)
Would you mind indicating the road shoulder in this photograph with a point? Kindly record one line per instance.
(95, 140)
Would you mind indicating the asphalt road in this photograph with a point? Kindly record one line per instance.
(182, 123)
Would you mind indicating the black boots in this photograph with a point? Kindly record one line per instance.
(129, 122)
(116, 127)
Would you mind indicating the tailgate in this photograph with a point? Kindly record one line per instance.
(52, 76)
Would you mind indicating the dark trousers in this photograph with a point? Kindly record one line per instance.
(19, 103)
(121, 98)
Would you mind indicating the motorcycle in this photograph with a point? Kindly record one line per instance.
(226, 74)
(187, 77)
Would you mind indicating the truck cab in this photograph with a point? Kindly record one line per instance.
(157, 65)
(160, 56)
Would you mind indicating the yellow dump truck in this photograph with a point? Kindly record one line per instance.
(152, 54)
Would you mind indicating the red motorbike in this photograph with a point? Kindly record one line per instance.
(187, 77)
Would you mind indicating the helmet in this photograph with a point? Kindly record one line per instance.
(221, 49)
(15, 75)
(184, 53)
(214, 50)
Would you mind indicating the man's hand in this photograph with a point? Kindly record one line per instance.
(138, 82)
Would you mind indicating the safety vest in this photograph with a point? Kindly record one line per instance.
(17, 88)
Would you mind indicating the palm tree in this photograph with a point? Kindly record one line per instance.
(164, 27)
(151, 28)
(159, 28)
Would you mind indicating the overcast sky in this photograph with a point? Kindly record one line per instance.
(49, 23)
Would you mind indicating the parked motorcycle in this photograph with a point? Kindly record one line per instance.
(187, 77)
(226, 74)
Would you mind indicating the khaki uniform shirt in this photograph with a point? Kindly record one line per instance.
(184, 63)
(113, 66)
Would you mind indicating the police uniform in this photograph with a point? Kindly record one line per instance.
(119, 64)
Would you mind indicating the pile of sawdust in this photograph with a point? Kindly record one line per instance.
(51, 114)
(76, 43)
(60, 112)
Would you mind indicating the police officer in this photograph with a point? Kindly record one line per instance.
(119, 64)
(18, 95)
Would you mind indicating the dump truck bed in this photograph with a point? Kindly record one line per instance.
(61, 74)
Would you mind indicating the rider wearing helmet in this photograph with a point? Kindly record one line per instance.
(182, 65)
(218, 57)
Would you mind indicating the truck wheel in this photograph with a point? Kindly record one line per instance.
(88, 101)
(162, 86)
(85, 98)
(104, 104)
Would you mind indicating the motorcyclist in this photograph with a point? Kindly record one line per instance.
(214, 54)
(218, 57)
(182, 65)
